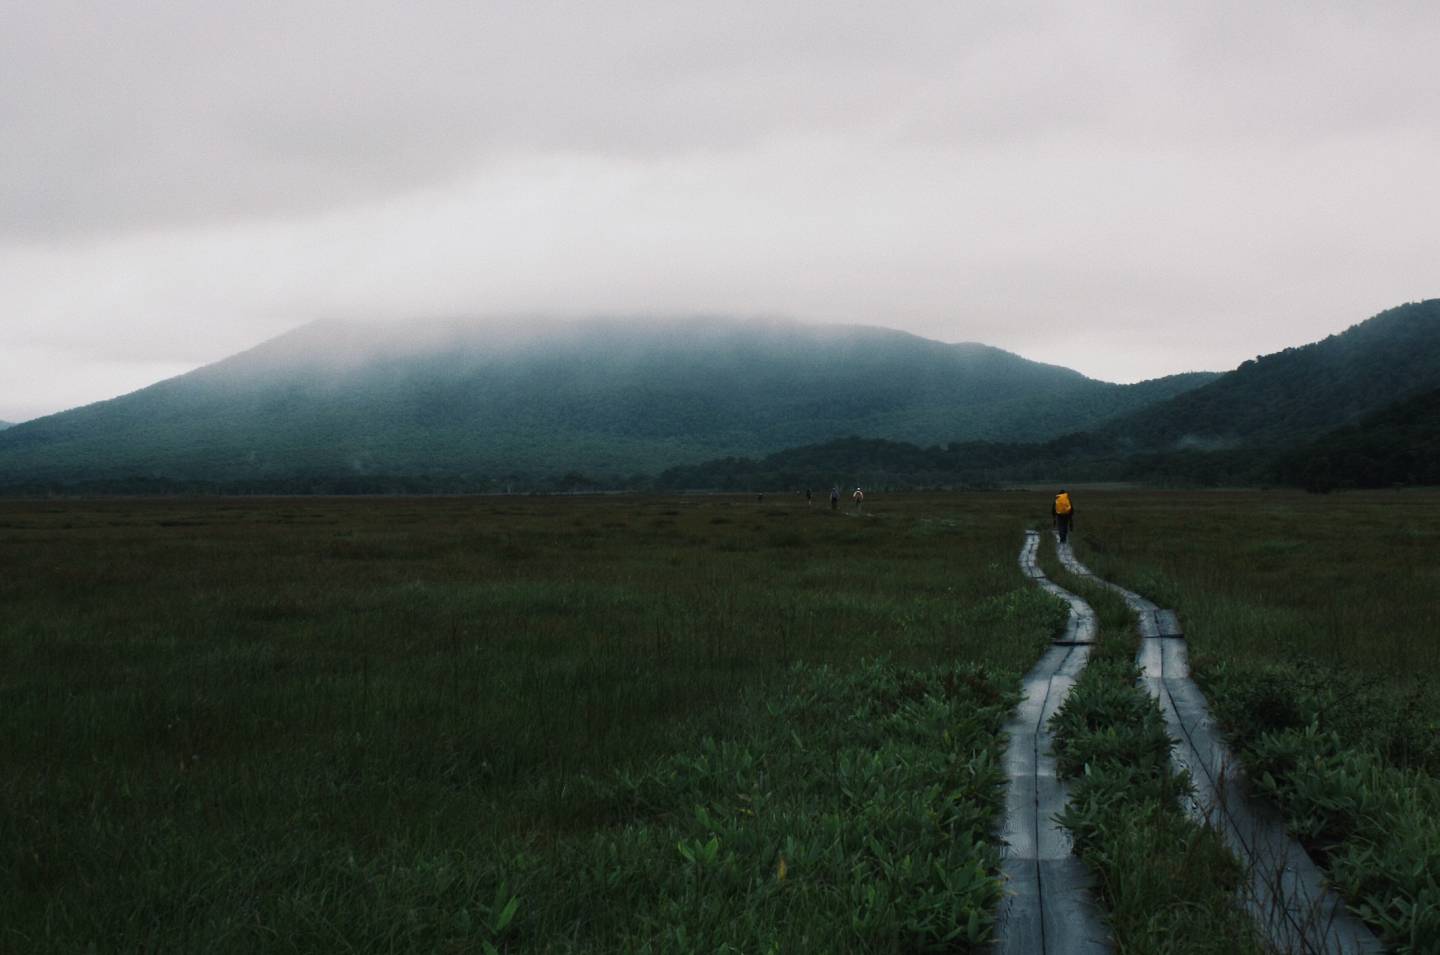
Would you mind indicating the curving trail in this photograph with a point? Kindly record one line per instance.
(1048, 909)
(1287, 895)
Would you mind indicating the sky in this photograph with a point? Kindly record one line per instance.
(1128, 189)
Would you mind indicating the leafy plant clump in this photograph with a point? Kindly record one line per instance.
(1361, 794)
(852, 813)
(1399, 725)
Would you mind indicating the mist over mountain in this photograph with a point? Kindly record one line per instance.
(1358, 409)
(730, 403)
(528, 398)
(4, 425)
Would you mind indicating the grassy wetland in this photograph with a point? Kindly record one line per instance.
(645, 724)
(527, 723)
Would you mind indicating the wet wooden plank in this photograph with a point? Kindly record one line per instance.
(1020, 923)
(1167, 623)
(1047, 907)
(1150, 660)
(1145, 623)
(1177, 662)
(1053, 841)
(1073, 922)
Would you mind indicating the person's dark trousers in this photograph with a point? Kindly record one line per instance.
(1062, 526)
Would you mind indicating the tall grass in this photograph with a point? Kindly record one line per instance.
(442, 724)
(296, 724)
(1347, 579)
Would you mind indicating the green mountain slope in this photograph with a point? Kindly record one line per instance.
(1271, 419)
(1399, 444)
(609, 396)
(4, 425)
(1296, 394)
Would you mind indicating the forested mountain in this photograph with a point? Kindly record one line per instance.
(893, 464)
(4, 425)
(1273, 419)
(493, 402)
(1397, 445)
(716, 403)
(869, 462)
(1296, 394)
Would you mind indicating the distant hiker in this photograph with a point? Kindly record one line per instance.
(859, 498)
(807, 497)
(760, 498)
(1064, 514)
(835, 498)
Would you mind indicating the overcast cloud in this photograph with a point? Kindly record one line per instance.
(1128, 189)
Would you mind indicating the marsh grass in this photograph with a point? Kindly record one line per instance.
(1344, 579)
(369, 724)
(1311, 622)
(527, 723)
(850, 813)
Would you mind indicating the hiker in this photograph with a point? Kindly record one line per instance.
(835, 498)
(859, 498)
(1064, 513)
(807, 497)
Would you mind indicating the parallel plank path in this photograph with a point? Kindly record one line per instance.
(1048, 908)
(1286, 893)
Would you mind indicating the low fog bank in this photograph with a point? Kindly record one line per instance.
(334, 348)
(340, 344)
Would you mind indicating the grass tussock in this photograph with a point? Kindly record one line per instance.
(1361, 794)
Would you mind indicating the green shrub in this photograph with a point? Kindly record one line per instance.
(1377, 828)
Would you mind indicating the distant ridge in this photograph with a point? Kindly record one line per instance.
(508, 402)
(4, 425)
(1358, 409)
(1296, 394)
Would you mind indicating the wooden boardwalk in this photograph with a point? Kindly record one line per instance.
(1286, 892)
(1048, 907)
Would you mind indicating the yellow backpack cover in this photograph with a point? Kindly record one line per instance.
(1062, 504)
